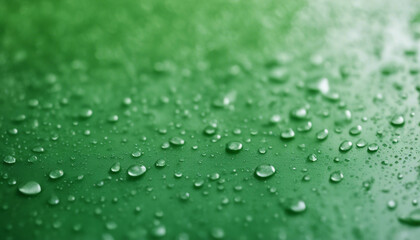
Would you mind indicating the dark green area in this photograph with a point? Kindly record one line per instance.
(211, 88)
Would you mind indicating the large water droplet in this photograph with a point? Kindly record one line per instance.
(55, 174)
(9, 159)
(136, 170)
(312, 158)
(397, 120)
(322, 135)
(116, 167)
(336, 177)
(265, 171)
(287, 134)
(345, 146)
(412, 219)
(233, 147)
(177, 141)
(296, 206)
(30, 188)
(373, 147)
(356, 130)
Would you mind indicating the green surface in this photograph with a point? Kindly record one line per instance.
(224, 104)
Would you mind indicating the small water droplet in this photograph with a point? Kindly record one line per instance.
(38, 149)
(53, 200)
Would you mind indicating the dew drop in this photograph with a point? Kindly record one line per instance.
(397, 121)
(373, 147)
(233, 147)
(345, 146)
(116, 167)
(322, 135)
(136, 170)
(55, 174)
(336, 177)
(177, 141)
(265, 171)
(312, 158)
(30, 188)
(356, 130)
(287, 134)
(9, 159)
(296, 206)
(160, 163)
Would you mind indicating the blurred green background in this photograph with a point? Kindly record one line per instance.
(90, 85)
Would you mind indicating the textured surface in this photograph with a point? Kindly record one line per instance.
(224, 104)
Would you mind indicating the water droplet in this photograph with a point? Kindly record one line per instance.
(217, 233)
(397, 121)
(296, 206)
(116, 167)
(32, 159)
(373, 147)
(184, 196)
(86, 113)
(30, 188)
(345, 146)
(210, 130)
(9, 159)
(312, 157)
(287, 134)
(198, 183)
(136, 170)
(336, 177)
(322, 135)
(160, 163)
(55, 174)
(306, 127)
(214, 176)
(177, 141)
(391, 204)
(361, 143)
(356, 130)
(265, 171)
(38, 149)
(279, 75)
(136, 154)
(233, 147)
(113, 119)
(53, 200)
(412, 219)
(299, 113)
(159, 231)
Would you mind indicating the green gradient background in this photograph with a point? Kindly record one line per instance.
(178, 60)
